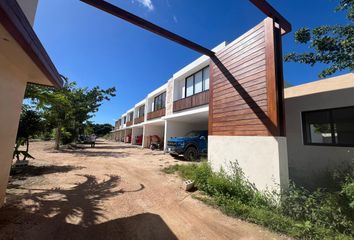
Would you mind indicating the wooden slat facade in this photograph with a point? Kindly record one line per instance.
(156, 114)
(196, 100)
(139, 120)
(246, 85)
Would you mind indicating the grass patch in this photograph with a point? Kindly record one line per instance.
(299, 213)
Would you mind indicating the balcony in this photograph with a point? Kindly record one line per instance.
(196, 100)
(129, 123)
(156, 114)
(139, 120)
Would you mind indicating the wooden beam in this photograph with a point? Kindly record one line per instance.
(268, 10)
(129, 17)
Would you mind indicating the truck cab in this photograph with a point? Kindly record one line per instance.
(192, 146)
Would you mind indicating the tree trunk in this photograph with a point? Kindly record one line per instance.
(27, 147)
(57, 137)
(27, 144)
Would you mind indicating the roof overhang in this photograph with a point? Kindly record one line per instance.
(16, 24)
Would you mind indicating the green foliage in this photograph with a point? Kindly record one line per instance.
(348, 190)
(327, 209)
(68, 109)
(31, 124)
(331, 45)
(171, 169)
(296, 212)
(101, 130)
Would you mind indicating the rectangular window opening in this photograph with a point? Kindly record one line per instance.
(197, 82)
(331, 127)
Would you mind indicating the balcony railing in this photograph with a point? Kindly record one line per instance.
(156, 114)
(129, 123)
(196, 100)
(139, 120)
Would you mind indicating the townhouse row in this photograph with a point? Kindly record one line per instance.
(179, 106)
(313, 149)
(237, 96)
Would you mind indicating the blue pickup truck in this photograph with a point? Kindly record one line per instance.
(193, 145)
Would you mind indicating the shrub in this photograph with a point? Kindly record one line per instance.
(319, 207)
(298, 212)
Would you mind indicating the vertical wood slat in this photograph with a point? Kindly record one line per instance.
(139, 120)
(156, 114)
(249, 78)
(196, 100)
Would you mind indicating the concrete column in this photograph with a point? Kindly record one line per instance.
(263, 159)
(169, 97)
(12, 88)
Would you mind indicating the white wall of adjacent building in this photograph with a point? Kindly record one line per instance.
(311, 165)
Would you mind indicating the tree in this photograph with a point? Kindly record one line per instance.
(68, 108)
(331, 45)
(30, 125)
(101, 130)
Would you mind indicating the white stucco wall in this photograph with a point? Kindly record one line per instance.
(150, 130)
(309, 165)
(12, 87)
(262, 159)
(136, 131)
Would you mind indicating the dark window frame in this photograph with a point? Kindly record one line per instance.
(306, 141)
(203, 82)
(130, 116)
(142, 107)
(160, 101)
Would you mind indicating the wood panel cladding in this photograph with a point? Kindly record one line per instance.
(196, 100)
(139, 120)
(129, 123)
(246, 85)
(156, 114)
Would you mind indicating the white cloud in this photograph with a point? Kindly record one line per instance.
(147, 3)
(175, 19)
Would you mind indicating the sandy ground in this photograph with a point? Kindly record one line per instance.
(114, 191)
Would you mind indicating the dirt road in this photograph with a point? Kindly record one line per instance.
(113, 191)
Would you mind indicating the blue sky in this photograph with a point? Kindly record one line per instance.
(94, 48)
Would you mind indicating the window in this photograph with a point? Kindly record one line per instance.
(206, 78)
(189, 86)
(130, 116)
(198, 82)
(159, 101)
(333, 127)
(124, 120)
(141, 111)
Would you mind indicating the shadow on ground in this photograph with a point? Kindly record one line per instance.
(76, 213)
(93, 153)
(33, 171)
(103, 146)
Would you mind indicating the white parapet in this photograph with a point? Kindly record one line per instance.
(263, 159)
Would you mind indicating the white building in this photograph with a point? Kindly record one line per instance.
(182, 105)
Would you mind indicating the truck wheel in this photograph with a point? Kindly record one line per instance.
(191, 154)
